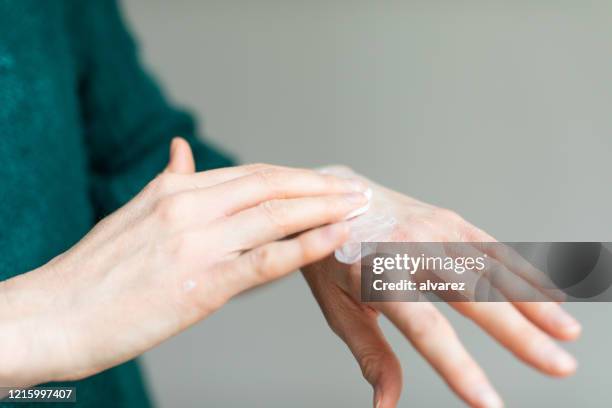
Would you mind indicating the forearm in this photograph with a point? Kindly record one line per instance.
(164, 261)
(30, 340)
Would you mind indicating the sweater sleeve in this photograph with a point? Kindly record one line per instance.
(127, 119)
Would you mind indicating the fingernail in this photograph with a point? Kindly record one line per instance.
(357, 212)
(488, 398)
(377, 398)
(356, 198)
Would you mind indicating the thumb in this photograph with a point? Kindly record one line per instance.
(181, 157)
(357, 325)
(378, 362)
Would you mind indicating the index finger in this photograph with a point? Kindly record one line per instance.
(514, 262)
(248, 191)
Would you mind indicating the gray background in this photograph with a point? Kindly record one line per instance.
(499, 110)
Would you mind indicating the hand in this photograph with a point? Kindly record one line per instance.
(170, 257)
(523, 328)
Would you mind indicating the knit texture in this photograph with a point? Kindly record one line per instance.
(82, 129)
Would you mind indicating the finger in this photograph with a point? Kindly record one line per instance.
(504, 323)
(224, 200)
(277, 259)
(356, 324)
(507, 256)
(435, 339)
(493, 274)
(379, 364)
(552, 318)
(276, 219)
(169, 182)
(253, 189)
(540, 309)
(181, 157)
(547, 315)
(213, 177)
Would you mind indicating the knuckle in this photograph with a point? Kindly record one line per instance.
(305, 250)
(268, 178)
(428, 322)
(255, 167)
(213, 303)
(339, 170)
(325, 181)
(207, 301)
(465, 372)
(170, 209)
(161, 184)
(370, 359)
(276, 213)
(447, 215)
(335, 326)
(262, 264)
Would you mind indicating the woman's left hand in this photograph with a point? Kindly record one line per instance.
(526, 329)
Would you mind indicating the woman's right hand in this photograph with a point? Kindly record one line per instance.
(170, 257)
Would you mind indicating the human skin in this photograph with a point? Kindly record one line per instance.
(170, 257)
(526, 329)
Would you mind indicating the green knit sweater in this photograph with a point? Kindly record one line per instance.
(82, 129)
